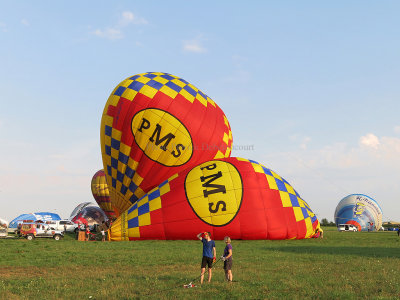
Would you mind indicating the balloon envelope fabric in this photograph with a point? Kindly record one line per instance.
(153, 126)
(232, 196)
(359, 210)
(102, 195)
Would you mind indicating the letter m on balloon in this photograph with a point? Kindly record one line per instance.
(208, 183)
(166, 139)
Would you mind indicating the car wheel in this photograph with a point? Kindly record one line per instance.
(30, 237)
(57, 237)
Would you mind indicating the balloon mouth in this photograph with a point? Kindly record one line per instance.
(355, 223)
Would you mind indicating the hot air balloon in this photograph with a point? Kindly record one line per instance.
(359, 210)
(231, 196)
(89, 214)
(3, 227)
(38, 216)
(102, 196)
(153, 126)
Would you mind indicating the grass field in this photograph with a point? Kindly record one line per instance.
(341, 266)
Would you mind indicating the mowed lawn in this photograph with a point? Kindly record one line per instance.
(343, 265)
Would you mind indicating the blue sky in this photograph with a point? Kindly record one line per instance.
(312, 88)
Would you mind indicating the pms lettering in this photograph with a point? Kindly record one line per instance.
(215, 188)
(157, 139)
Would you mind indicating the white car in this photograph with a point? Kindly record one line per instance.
(347, 227)
(69, 225)
(59, 225)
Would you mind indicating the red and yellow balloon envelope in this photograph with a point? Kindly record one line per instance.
(153, 126)
(232, 196)
(102, 195)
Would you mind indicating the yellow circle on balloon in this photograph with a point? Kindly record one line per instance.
(214, 191)
(162, 137)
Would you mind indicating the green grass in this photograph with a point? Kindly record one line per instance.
(346, 265)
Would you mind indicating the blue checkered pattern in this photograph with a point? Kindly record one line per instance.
(115, 162)
(137, 86)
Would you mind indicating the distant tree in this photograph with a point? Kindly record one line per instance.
(324, 222)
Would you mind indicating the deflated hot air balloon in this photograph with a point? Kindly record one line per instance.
(231, 196)
(102, 196)
(359, 210)
(88, 213)
(38, 216)
(153, 126)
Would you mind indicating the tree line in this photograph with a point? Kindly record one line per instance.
(325, 222)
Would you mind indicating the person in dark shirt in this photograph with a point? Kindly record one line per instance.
(209, 254)
(227, 259)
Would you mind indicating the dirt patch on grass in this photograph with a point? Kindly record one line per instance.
(17, 272)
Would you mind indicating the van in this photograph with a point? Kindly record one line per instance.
(347, 227)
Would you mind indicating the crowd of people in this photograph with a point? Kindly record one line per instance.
(88, 232)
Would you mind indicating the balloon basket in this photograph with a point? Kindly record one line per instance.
(82, 236)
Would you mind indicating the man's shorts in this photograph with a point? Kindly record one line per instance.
(228, 264)
(206, 261)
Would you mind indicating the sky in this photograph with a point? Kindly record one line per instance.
(310, 88)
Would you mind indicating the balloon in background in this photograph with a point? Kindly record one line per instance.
(102, 195)
(38, 216)
(153, 126)
(3, 223)
(3, 227)
(89, 214)
(359, 210)
(233, 196)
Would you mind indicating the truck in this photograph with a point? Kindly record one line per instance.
(31, 231)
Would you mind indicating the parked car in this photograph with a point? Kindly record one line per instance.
(59, 225)
(347, 227)
(32, 230)
(69, 226)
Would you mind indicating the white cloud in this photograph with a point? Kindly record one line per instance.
(304, 143)
(128, 17)
(194, 46)
(397, 129)
(302, 140)
(116, 32)
(25, 22)
(370, 140)
(109, 33)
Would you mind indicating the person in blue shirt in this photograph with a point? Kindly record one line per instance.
(209, 254)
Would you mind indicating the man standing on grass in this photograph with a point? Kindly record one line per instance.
(209, 254)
